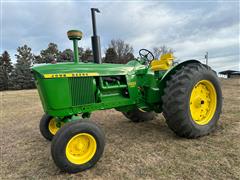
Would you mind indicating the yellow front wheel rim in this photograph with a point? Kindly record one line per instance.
(52, 126)
(81, 148)
(203, 102)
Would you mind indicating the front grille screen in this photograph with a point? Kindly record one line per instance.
(82, 90)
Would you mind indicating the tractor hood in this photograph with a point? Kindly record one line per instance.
(92, 68)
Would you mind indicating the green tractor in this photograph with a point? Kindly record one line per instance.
(188, 94)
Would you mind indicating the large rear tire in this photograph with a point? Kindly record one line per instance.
(192, 101)
(137, 115)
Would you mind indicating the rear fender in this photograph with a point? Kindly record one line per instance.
(167, 75)
(175, 68)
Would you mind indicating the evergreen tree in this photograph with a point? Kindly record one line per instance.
(37, 59)
(110, 56)
(6, 60)
(84, 55)
(2, 77)
(80, 52)
(66, 56)
(49, 55)
(6, 69)
(21, 76)
(87, 55)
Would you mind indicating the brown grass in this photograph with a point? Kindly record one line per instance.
(133, 151)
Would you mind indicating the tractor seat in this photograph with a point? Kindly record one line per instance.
(164, 63)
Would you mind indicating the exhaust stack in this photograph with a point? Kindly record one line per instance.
(96, 48)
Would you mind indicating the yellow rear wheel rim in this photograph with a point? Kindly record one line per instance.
(203, 102)
(81, 148)
(52, 126)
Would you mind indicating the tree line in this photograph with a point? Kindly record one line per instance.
(18, 76)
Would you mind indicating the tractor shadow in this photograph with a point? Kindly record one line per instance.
(118, 125)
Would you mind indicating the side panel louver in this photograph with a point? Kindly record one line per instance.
(82, 90)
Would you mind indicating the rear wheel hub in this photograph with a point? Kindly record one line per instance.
(203, 102)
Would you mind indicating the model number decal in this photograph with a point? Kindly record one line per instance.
(132, 84)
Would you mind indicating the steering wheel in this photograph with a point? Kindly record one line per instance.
(146, 54)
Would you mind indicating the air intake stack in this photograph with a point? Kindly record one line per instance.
(75, 36)
(96, 48)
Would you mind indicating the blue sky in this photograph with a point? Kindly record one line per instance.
(189, 27)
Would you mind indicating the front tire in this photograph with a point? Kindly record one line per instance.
(192, 101)
(77, 146)
(48, 126)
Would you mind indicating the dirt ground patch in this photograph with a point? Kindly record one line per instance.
(147, 150)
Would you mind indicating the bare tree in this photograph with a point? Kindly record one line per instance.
(124, 51)
(158, 51)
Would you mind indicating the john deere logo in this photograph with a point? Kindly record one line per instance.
(69, 75)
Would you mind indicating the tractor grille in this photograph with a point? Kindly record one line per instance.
(82, 90)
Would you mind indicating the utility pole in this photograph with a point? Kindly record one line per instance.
(206, 57)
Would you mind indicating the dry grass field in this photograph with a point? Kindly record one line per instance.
(133, 151)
